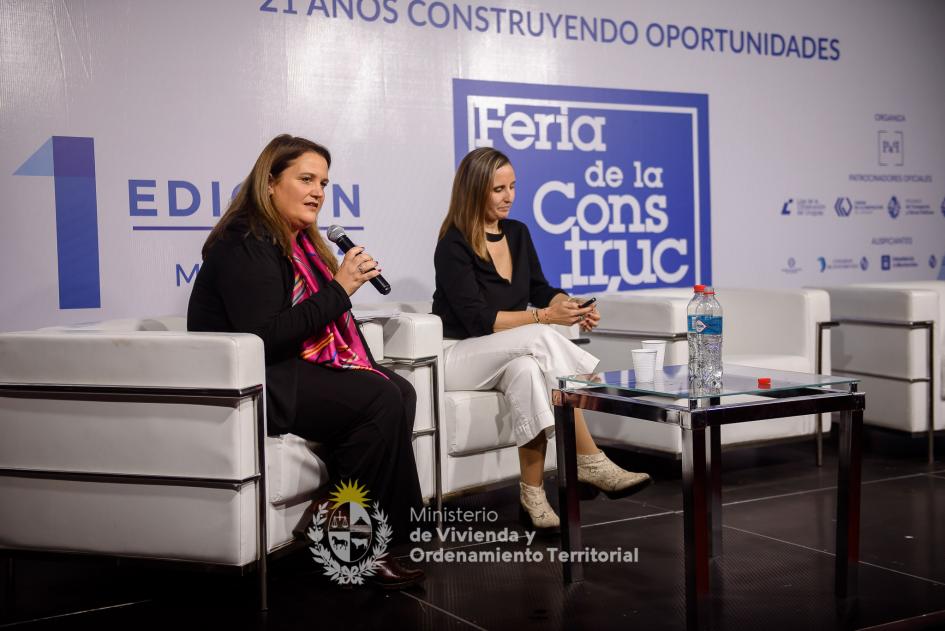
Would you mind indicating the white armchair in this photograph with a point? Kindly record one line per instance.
(892, 336)
(764, 328)
(134, 438)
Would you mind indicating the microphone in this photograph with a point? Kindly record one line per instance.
(336, 234)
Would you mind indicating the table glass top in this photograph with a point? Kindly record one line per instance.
(673, 381)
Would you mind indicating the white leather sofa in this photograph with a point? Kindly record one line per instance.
(134, 438)
(778, 329)
(892, 336)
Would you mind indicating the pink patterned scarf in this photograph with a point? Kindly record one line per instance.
(339, 345)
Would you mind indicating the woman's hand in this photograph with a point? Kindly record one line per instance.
(566, 312)
(357, 268)
(591, 320)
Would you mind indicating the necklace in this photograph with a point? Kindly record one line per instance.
(494, 238)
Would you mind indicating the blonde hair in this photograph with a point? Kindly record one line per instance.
(468, 202)
(253, 205)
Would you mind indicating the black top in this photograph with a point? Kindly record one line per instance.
(470, 292)
(245, 286)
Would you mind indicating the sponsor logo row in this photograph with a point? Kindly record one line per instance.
(846, 206)
(887, 262)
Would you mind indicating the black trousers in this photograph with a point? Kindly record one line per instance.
(366, 424)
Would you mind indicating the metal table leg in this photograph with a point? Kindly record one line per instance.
(715, 489)
(695, 524)
(569, 503)
(9, 584)
(848, 502)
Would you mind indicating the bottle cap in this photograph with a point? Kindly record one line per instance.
(709, 291)
(698, 288)
(764, 382)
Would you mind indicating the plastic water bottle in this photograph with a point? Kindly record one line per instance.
(709, 335)
(691, 335)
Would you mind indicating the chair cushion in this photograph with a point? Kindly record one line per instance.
(294, 467)
(374, 336)
(476, 421)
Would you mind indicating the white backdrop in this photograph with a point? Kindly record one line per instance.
(818, 171)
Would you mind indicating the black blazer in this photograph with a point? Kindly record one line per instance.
(470, 292)
(245, 286)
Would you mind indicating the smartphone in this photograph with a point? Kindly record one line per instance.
(588, 303)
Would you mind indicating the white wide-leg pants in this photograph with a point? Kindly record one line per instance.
(522, 363)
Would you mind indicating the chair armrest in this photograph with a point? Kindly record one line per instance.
(413, 335)
(893, 304)
(132, 359)
(641, 312)
(896, 351)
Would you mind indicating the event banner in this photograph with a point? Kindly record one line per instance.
(655, 144)
(614, 184)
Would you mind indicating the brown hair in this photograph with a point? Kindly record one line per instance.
(253, 207)
(470, 195)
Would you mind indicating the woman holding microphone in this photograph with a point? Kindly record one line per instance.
(266, 270)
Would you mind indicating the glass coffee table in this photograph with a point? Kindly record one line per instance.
(700, 414)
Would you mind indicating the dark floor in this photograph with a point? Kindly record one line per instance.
(777, 570)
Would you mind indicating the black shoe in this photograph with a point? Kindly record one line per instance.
(389, 574)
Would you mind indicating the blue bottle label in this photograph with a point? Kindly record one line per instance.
(691, 324)
(707, 325)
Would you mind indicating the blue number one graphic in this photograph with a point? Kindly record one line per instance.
(71, 162)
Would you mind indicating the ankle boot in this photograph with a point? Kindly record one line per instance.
(534, 504)
(598, 470)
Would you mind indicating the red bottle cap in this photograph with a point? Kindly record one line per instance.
(698, 288)
(764, 382)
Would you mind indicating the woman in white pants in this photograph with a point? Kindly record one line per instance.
(487, 275)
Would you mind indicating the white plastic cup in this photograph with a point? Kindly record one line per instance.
(644, 363)
(660, 347)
